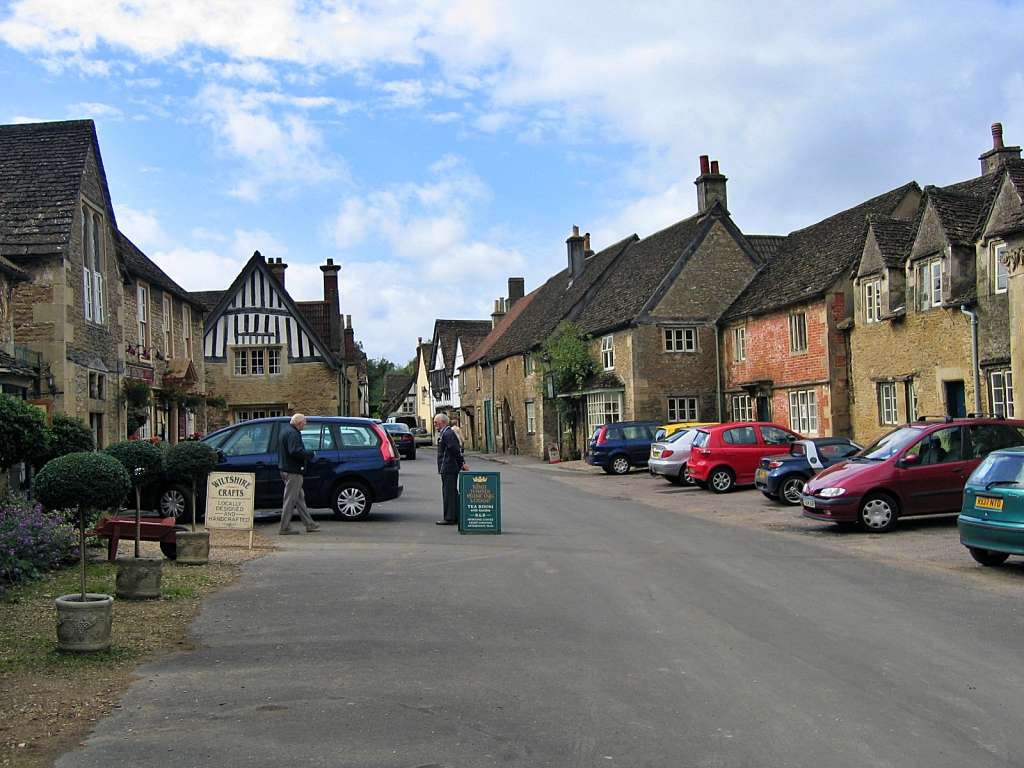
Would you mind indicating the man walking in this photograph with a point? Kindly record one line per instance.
(291, 460)
(449, 462)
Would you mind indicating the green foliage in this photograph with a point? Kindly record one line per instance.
(137, 396)
(22, 432)
(66, 435)
(190, 460)
(91, 479)
(570, 365)
(376, 373)
(143, 460)
(32, 542)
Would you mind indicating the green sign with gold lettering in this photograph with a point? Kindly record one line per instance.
(480, 502)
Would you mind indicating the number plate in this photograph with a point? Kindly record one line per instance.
(809, 503)
(655, 454)
(988, 502)
(762, 474)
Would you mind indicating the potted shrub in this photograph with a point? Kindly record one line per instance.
(192, 461)
(79, 481)
(138, 578)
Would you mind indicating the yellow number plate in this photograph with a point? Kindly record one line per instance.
(655, 454)
(988, 502)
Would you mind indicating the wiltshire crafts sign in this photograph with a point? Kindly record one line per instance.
(480, 502)
(230, 499)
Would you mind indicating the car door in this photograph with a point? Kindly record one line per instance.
(318, 437)
(638, 443)
(742, 451)
(933, 480)
(774, 440)
(252, 447)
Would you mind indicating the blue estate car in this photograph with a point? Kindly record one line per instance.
(782, 478)
(616, 447)
(991, 521)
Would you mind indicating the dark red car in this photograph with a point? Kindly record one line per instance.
(726, 455)
(919, 469)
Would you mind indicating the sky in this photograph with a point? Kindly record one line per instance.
(436, 148)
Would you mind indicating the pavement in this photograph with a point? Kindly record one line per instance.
(532, 462)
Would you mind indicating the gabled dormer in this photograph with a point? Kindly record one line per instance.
(880, 283)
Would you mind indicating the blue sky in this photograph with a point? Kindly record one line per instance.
(436, 148)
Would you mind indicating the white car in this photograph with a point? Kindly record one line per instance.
(669, 456)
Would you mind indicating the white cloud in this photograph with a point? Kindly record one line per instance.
(245, 243)
(201, 270)
(94, 110)
(142, 228)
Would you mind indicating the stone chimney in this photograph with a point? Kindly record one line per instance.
(710, 185)
(330, 270)
(577, 253)
(500, 308)
(999, 155)
(277, 268)
(516, 290)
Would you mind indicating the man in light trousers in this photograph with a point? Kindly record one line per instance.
(291, 460)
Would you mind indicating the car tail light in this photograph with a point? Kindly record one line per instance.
(385, 444)
(705, 453)
(774, 464)
(600, 436)
(666, 454)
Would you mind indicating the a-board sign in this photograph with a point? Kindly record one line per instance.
(230, 499)
(480, 502)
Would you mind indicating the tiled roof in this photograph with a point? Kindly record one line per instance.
(10, 364)
(448, 332)
(894, 236)
(139, 265)
(959, 213)
(209, 299)
(765, 246)
(555, 301)
(1015, 175)
(811, 260)
(499, 330)
(42, 166)
(318, 313)
(397, 384)
(13, 271)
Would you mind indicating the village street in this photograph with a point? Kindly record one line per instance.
(615, 621)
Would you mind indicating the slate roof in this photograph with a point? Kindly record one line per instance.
(11, 365)
(960, 214)
(13, 271)
(448, 332)
(1015, 174)
(809, 261)
(209, 299)
(139, 265)
(318, 314)
(42, 166)
(499, 330)
(894, 236)
(396, 388)
(765, 246)
(555, 301)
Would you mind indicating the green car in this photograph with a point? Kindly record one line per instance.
(991, 520)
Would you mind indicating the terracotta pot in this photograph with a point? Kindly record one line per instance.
(193, 547)
(84, 627)
(138, 578)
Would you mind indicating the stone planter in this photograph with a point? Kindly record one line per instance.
(138, 578)
(193, 547)
(84, 627)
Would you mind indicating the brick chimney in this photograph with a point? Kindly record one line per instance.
(999, 155)
(330, 270)
(277, 268)
(516, 290)
(350, 340)
(500, 308)
(576, 253)
(587, 251)
(710, 185)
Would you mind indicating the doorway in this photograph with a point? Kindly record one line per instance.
(956, 401)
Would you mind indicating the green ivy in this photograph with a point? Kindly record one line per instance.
(570, 365)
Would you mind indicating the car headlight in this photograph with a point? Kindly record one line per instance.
(831, 493)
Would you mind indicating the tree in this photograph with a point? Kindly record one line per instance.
(22, 432)
(192, 461)
(376, 373)
(143, 461)
(570, 365)
(66, 435)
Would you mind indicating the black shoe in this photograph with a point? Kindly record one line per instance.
(446, 522)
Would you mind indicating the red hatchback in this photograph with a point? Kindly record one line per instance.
(919, 469)
(725, 455)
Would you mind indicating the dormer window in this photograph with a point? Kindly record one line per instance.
(872, 301)
(929, 283)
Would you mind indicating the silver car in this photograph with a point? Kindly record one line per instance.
(668, 457)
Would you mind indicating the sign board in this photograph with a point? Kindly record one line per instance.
(480, 502)
(553, 454)
(230, 500)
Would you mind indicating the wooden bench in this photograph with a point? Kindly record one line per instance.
(116, 528)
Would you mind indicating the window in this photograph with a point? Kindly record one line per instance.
(887, 403)
(929, 284)
(241, 362)
(249, 440)
(739, 345)
(317, 436)
(682, 409)
(798, 332)
(409, 405)
(775, 435)
(186, 330)
(168, 328)
(142, 293)
(478, 369)
(273, 361)
(1000, 272)
(528, 365)
(872, 301)
(940, 447)
(257, 361)
(92, 267)
(911, 401)
(680, 339)
(1001, 385)
(97, 386)
(257, 364)
(241, 416)
(739, 436)
(803, 412)
(607, 353)
(603, 408)
(742, 408)
(531, 417)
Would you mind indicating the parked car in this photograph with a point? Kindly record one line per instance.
(669, 456)
(782, 477)
(404, 439)
(355, 466)
(919, 469)
(617, 447)
(991, 520)
(726, 455)
(423, 436)
(667, 430)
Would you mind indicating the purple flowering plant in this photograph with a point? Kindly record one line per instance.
(32, 542)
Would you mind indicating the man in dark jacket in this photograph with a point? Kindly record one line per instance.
(450, 462)
(291, 461)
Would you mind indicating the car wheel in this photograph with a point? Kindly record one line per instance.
(619, 465)
(878, 513)
(721, 480)
(988, 556)
(701, 484)
(685, 474)
(790, 490)
(350, 501)
(175, 501)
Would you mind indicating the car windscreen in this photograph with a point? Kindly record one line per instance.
(677, 436)
(397, 428)
(888, 446)
(1001, 469)
(701, 439)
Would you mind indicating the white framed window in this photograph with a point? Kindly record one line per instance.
(1001, 386)
(798, 332)
(168, 328)
(92, 267)
(186, 330)
(241, 416)
(241, 362)
(528, 364)
(739, 345)
(683, 409)
(409, 405)
(929, 283)
(872, 301)
(608, 352)
(142, 314)
(803, 412)
(1000, 272)
(603, 408)
(531, 417)
(911, 400)
(680, 339)
(257, 362)
(887, 412)
(742, 408)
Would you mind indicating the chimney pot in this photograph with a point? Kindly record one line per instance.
(714, 166)
(704, 168)
(997, 135)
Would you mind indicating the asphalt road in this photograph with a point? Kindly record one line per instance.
(593, 631)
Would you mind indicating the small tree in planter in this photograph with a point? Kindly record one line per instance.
(66, 435)
(192, 461)
(81, 480)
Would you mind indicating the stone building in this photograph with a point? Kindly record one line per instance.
(19, 367)
(784, 347)
(453, 341)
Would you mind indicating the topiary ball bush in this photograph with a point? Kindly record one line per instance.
(67, 435)
(142, 459)
(190, 460)
(90, 479)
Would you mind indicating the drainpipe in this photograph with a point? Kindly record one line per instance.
(974, 357)
(718, 374)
